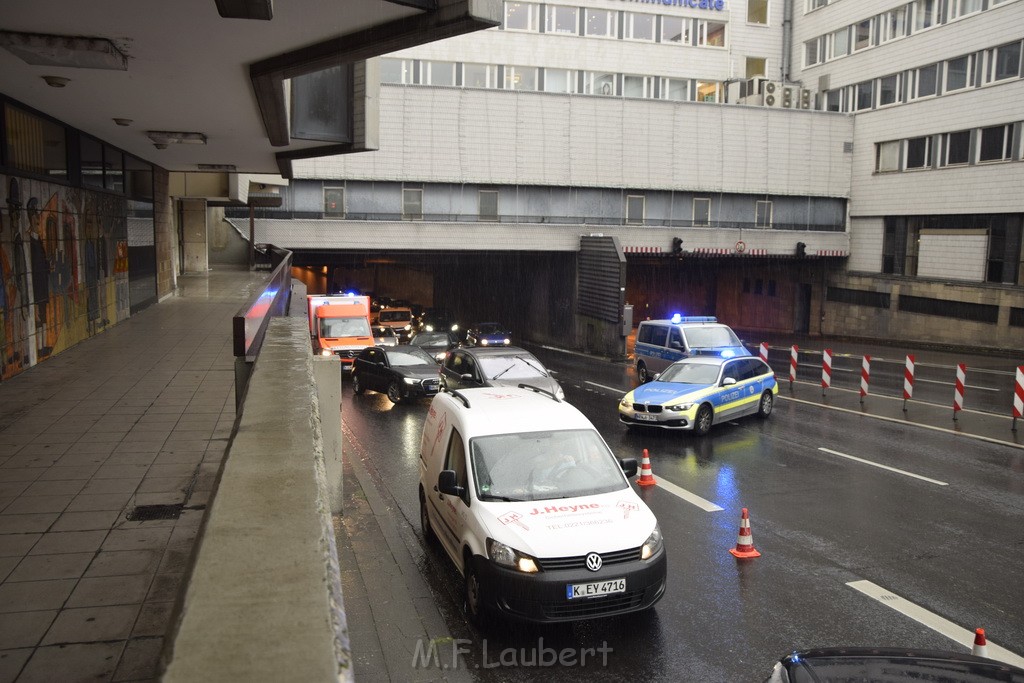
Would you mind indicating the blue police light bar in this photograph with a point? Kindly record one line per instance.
(676, 318)
(728, 353)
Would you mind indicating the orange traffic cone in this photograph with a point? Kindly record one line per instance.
(980, 648)
(744, 541)
(646, 476)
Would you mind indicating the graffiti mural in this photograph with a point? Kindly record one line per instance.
(62, 268)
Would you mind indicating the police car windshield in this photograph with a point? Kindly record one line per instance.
(710, 337)
(690, 373)
(543, 465)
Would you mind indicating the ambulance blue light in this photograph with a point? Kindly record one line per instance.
(351, 293)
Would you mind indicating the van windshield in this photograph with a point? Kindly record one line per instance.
(332, 328)
(544, 466)
(710, 337)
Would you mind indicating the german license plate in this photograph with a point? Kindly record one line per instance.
(644, 417)
(592, 590)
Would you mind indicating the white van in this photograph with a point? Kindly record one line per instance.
(534, 509)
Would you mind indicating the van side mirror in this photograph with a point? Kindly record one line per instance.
(628, 466)
(446, 483)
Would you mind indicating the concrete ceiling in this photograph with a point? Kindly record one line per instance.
(188, 69)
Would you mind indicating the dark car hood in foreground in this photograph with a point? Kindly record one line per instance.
(890, 665)
(417, 371)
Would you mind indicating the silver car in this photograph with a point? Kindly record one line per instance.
(507, 366)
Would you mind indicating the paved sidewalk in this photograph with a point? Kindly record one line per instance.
(137, 416)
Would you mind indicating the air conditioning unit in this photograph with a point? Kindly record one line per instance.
(734, 92)
(754, 85)
(771, 94)
(789, 95)
(806, 100)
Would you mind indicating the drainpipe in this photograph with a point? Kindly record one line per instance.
(787, 38)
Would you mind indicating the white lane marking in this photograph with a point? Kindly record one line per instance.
(884, 467)
(950, 384)
(615, 389)
(933, 621)
(692, 498)
(908, 422)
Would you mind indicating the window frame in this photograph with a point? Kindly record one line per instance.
(591, 82)
(665, 87)
(685, 28)
(571, 81)
(490, 75)
(532, 16)
(702, 33)
(968, 73)
(629, 26)
(480, 206)
(693, 216)
(927, 157)
(406, 193)
(551, 20)
(993, 54)
(885, 150)
(944, 161)
(631, 205)
(339, 213)
(757, 213)
(610, 23)
(897, 90)
(766, 10)
(1006, 145)
(511, 72)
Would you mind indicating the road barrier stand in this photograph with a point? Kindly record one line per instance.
(865, 377)
(826, 370)
(762, 351)
(908, 381)
(744, 540)
(793, 351)
(958, 393)
(1018, 397)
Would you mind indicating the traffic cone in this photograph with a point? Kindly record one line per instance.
(744, 541)
(980, 648)
(646, 476)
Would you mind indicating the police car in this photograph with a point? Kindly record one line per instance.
(697, 392)
(534, 510)
(659, 343)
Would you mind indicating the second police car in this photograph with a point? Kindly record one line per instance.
(659, 343)
(694, 393)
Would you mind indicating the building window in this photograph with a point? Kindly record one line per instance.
(638, 86)
(675, 30)
(634, 209)
(757, 12)
(488, 205)
(701, 211)
(395, 70)
(639, 26)
(889, 90)
(927, 78)
(962, 8)
(865, 95)
(562, 19)
(816, 4)
(919, 153)
(35, 145)
(894, 24)
(887, 156)
(480, 75)
(834, 100)
(676, 89)
(959, 72)
(412, 205)
(707, 92)
(956, 148)
(521, 78)
(711, 33)
(763, 214)
(334, 202)
(995, 143)
(812, 55)
(599, 22)
(559, 80)
(522, 16)
(756, 66)
(596, 83)
(862, 35)
(1005, 62)
(438, 73)
(926, 14)
(840, 41)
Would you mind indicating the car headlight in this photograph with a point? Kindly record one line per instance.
(679, 407)
(440, 356)
(559, 394)
(483, 342)
(429, 328)
(625, 402)
(506, 341)
(410, 380)
(652, 545)
(326, 352)
(455, 328)
(511, 558)
(407, 327)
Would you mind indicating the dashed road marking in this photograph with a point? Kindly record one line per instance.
(936, 623)
(884, 467)
(614, 389)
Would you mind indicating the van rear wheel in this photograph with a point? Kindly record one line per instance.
(764, 408)
(642, 374)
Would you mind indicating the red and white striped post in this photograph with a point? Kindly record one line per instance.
(762, 351)
(826, 370)
(793, 351)
(958, 395)
(1018, 396)
(908, 381)
(865, 377)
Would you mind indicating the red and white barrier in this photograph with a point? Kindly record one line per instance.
(865, 377)
(793, 351)
(1018, 396)
(958, 395)
(826, 369)
(762, 351)
(908, 381)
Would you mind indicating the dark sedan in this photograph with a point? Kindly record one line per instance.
(402, 372)
(488, 334)
(437, 344)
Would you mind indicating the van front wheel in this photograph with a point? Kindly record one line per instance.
(473, 590)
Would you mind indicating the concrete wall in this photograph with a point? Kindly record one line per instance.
(226, 244)
(166, 236)
(195, 237)
(264, 600)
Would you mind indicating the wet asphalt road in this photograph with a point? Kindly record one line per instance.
(820, 521)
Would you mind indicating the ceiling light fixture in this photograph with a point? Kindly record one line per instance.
(165, 137)
(216, 167)
(56, 81)
(40, 49)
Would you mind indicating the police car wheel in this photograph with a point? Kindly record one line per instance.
(394, 392)
(641, 374)
(473, 590)
(702, 422)
(357, 386)
(764, 409)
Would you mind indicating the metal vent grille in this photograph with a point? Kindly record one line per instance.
(145, 513)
